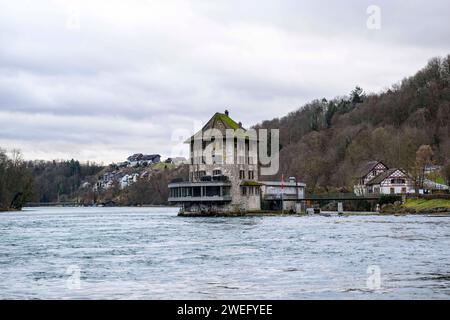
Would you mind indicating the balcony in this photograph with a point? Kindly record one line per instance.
(199, 184)
(204, 191)
(201, 199)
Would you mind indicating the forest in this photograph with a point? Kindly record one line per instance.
(22, 182)
(60, 181)
(16, 182)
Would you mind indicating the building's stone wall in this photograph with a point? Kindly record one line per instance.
(215, 207)
(252, 202)
(232, 171)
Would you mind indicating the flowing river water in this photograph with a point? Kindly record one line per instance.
(151, 253)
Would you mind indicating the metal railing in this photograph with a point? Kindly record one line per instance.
(200, 198)
(342, 196)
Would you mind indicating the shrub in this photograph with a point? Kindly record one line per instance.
(389, 199)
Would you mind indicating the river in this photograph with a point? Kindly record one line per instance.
(151, 253)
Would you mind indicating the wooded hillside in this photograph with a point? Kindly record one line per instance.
(59, 181)
(323, 142)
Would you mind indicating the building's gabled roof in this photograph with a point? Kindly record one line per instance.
(150, 156)
(219, 121)
(135, 157)
(385, 175)
(142, 157)
(366, 167)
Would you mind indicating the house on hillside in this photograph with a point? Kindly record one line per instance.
(176, 161)
(432, 168)
(106, 180)
(432, 186)
(374, 177)
(151, 158)
(179, 161)
(128, 179)
(139, 159)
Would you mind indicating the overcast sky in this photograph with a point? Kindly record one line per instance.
(99, 80)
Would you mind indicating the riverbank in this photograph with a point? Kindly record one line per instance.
(269, 213)
(231, 214)
(419, 206)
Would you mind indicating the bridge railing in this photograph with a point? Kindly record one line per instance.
(341, 196)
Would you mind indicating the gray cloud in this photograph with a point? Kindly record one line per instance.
(136, 72)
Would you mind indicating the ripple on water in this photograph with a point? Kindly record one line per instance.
(150, 253)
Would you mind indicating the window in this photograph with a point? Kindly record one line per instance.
(403, 190)
(217, 172)
(202, 173)
(241, 174)
(392, 190)
(244, 191)
(398, 181)
(251, 176)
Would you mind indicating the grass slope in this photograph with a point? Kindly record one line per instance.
(423, 204)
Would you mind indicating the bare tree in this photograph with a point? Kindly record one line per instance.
(424, 156)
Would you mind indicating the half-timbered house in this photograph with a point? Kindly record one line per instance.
(366, 172)
(391, 181)
(374, 177)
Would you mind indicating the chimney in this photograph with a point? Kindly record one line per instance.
(226, 112)
(240, 124)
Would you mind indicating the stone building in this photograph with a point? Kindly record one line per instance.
(223, 170)
(224, 175)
